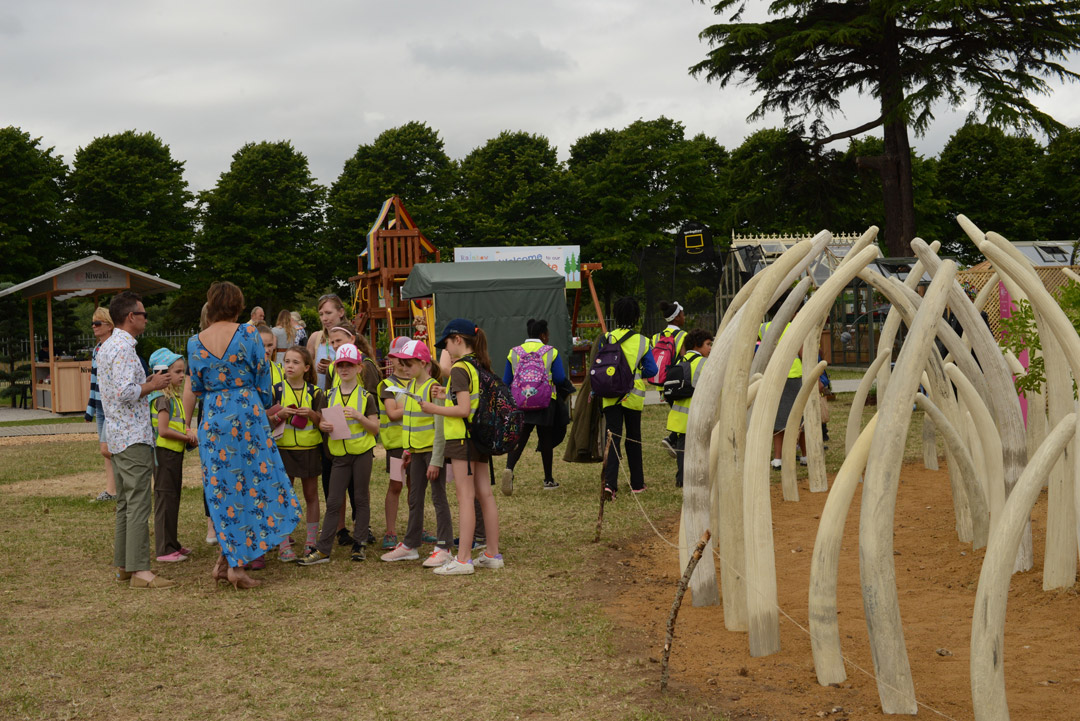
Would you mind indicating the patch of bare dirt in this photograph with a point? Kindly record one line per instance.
(57, 438)
(936, 576)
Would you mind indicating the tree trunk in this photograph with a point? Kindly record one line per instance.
(895, 167)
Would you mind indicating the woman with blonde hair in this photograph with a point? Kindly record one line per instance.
(285, 333)
(102, 326)
(331, 314)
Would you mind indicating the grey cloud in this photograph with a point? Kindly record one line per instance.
(10, 25)
(498, 53)
(610, 105)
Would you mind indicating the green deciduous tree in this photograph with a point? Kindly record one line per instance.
(31, 203)
(633, 189)
(261, 227)
(1059, 185)
(992, 178)
(511, 192)
(781, 183)
(408, 161)
(907, 54)
(130, 203)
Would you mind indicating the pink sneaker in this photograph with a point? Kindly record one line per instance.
(438, 558)
(184, 551)
(401, 552)
(172, 558)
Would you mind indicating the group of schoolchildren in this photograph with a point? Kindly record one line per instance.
(624, 364)
(422, 425)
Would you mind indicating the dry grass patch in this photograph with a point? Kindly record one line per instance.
(342, 640)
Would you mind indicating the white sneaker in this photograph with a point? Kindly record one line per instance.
(401, 552)
(508, 482)
(776, 463)
(802, 460)
(439, 557)
(455, 568)
(486, 561)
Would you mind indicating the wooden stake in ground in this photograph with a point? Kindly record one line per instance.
(603, 486)
(679, 593)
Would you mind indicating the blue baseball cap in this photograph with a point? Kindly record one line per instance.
(458, 326)
(162, 358)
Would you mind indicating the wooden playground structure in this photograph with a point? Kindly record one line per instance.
(394, 245)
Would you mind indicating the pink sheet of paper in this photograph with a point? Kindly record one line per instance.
(335, 415)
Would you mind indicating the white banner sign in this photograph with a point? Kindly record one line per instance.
(563, 259)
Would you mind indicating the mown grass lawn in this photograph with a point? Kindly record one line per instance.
(339, 641)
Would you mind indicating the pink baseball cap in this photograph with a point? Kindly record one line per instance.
(347, 353)
(414, 349)
(399, 343)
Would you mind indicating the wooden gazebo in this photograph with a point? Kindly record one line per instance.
(62, 384)
(394, 245)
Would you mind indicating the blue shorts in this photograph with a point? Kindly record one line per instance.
(100, 418)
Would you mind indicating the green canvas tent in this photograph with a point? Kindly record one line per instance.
(500, 297)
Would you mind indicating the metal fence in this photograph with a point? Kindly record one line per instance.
(20, 347)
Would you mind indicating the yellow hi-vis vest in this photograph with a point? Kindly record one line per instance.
(360, 441)
(177, 422)
(276, 374)
(417, 427)
(634, 348)
(680, 409)
(796, 365)
(299, 438)
(389, 431)
(454, 428)
(532, 347)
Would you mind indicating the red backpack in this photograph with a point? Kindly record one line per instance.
(665, 353)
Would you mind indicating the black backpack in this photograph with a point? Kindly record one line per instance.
(610, 375)
(497, 422)
(679, 383)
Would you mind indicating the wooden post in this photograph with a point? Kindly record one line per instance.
(680, 591)
(33, 356)
(52, 356)
(592, 291)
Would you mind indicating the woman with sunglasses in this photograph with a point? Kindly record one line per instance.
(103, 328)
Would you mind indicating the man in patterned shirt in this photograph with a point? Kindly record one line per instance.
(123, 385)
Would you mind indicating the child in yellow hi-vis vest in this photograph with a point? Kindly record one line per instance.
(173, 437)
(352, 457)
(418, 441)
(699, 345)
(300, 444)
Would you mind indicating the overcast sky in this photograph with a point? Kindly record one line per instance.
(207, 77)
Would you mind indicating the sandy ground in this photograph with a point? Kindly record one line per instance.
(937, 577)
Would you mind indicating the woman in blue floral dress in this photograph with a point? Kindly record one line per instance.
(249, 494)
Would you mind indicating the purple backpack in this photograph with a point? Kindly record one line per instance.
(530, 387)
(610, 375)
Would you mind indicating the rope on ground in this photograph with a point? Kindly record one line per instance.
(726, 566)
